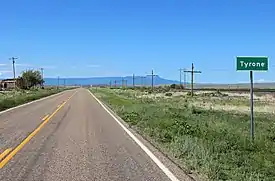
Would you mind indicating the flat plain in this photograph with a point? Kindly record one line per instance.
(207, 134)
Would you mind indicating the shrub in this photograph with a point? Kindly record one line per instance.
(176, 86)
(173, 86)
(16, 98)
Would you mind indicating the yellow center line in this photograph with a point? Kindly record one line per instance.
(5, 153)
(45, 117)
(26, 140)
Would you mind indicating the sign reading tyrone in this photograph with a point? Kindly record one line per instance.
(252, 63)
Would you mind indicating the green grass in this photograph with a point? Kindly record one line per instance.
(15, 98)
(215, 144)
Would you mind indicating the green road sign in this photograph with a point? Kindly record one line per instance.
(252, 63)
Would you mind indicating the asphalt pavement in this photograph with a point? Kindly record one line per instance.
(71, 137)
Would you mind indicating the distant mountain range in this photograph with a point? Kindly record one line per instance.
(106, 80)
(145, 81)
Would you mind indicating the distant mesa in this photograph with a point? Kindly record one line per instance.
(106, 80)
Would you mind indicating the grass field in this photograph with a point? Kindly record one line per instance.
(10, 99)
(214, 143)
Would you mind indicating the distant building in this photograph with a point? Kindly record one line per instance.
(8, 84)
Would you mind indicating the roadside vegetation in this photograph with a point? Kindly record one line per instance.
(28, 88)
(215, 143)
(10, 99)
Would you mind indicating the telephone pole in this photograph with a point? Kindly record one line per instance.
(13, 66)
(122, 81)
(125, 83)
(141, 80)
(192, 77)
(184, 78)
(180, 76)
(42, 76)
(58, 82)
(185, 83)
(152, 82)
(133, 80)
(117, 82)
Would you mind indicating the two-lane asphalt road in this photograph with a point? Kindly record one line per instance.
(70, 136)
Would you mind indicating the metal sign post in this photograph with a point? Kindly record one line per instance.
(251, 107)
(250, 64)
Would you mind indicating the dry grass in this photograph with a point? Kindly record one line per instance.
(214, 143)
(226, 101)
(10, 99)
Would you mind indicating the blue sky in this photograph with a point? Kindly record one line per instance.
(117, 38)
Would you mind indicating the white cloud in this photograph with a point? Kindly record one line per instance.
(2, 65)
(242, 82)
(5, 71)
(2, 72)
(48, 67)
(262, 81)
(24, 65)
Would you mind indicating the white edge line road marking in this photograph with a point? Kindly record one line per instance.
(28, 103)
(169, 174)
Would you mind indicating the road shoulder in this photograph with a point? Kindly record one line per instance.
(179, 173)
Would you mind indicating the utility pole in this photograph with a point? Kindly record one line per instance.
(180, 76)
(184, 78)
(152, 82)
(185, 83)
(143, 82)
(122, 81)
(192, 77)
(13, 66)
(42, 76)
(58, 82)
(125, 83)
(133, 80)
